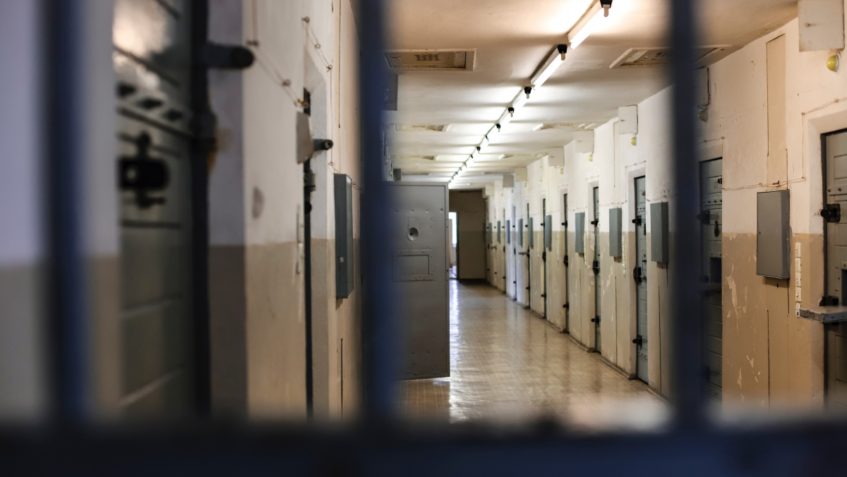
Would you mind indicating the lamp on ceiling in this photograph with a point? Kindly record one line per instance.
(551, 64)
(589, 23)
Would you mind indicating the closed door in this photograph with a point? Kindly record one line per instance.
(711, 217)
(566, 260)
(546, 226)
(836, 257)
(596, 267)
(420, 277)
(152, 61)
(529, 243)
(639, 274)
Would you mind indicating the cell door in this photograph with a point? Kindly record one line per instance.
(529, 243)
(152, 61)
(835, 155)
(565, 260)
(639, 274)
(419, 266)
(546, 227)
(711, 217)
(596, 267)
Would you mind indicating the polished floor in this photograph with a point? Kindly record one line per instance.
(510, 366)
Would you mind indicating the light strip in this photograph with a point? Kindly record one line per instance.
(550, 66)
(586, 26)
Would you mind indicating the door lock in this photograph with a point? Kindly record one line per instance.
(143, 174)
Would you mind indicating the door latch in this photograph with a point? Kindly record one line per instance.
(143, 174)
(831, 213)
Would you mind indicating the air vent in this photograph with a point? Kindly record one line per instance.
(431, 60)
(645, 57)
(422, 127)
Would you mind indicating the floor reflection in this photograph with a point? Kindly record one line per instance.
(508, 365)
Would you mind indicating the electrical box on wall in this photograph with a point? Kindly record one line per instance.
(579, 232)
(615, 233)
(343, 189)
(530, 233)
(520, 232)
(548, 232)
(659, 232)
(773, 234)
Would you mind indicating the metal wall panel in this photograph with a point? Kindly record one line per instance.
(579, 232)
(420, 273)
(659, 232)
(773, 234)
(615, 232)
(344, 277)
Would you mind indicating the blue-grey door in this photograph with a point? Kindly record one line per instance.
(711, 218)
(566, 263)
(835, 156)
(596, 267)
(639, 274)
(152, 62)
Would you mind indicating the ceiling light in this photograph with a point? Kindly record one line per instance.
(522, 98)
(589, 23)
(550, 66)
(483, 145)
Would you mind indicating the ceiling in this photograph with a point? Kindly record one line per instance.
(511, 39)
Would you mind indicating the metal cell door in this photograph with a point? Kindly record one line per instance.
(711, 218)
(152, 61)
(529, 244)
(835, 214)
(420, 269)
(639, 274)
(566, 295)
(596, 267)
(546, 227)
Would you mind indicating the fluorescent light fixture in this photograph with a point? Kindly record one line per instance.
(522, 97)
(587, 25)
(506, 118)
(484, 144)
(553, 62)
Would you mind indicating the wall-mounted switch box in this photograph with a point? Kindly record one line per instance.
(579, 232)
(548, 232)
(343, 189)
(615, 232)
(773, 234)
(659, 232)
(520, 233)
(531, 233)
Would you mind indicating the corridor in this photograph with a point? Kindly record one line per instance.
(508, 365)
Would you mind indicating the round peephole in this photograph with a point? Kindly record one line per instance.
(413, 233)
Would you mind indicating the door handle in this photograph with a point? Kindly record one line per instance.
(143, 174)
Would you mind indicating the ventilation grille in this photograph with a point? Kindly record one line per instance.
(645, 57)
(431, 60)
(422, 127)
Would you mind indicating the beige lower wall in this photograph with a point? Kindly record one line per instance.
(771, 357)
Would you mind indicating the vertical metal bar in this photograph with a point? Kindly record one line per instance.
(686, 297)
(203, 146)
(66, 280)
(378, 334)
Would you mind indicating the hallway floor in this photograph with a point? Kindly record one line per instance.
(509, 366)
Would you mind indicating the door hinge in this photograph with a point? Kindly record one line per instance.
(595, 266)
(831, 213)
(595, 222)
(566, 306)
(638, 341)
(638, 220)
(596, 319)
(567, 261)
(637, 274)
